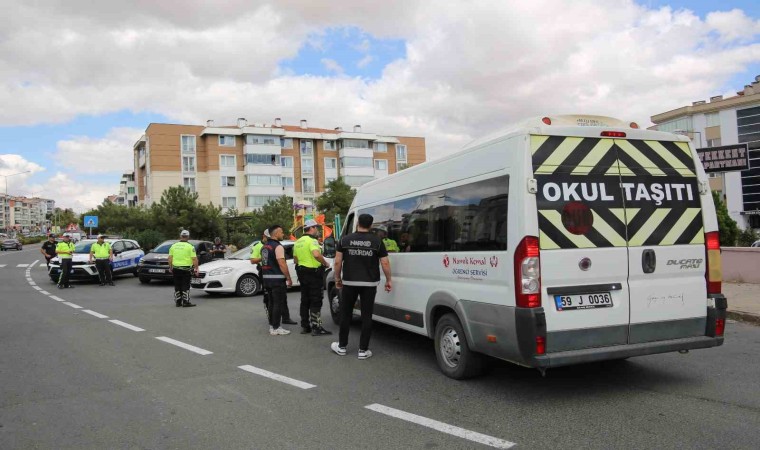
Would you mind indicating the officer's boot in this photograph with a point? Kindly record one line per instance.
(186, 299)
(315, 320)
(178, 298)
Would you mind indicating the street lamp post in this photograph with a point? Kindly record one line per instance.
(7, 201)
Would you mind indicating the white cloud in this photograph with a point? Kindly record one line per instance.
(362, 63)
(332, 65)
(470, 67)
(85, 154)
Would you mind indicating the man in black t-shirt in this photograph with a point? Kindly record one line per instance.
(360, 256)
(48, 249)
(218, 250)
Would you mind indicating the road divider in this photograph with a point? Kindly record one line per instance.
(277, 377)
(181, 344)
(442, 427)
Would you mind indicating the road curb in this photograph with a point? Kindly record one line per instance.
(740, 316)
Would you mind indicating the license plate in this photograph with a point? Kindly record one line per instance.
(156, 270)
(195, 281)
(583, 301)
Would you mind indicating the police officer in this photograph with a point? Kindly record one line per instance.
(357, 260)
(310, 267)
(65, 251)
(218, 250)
(390, 245)
(48, 249)
(276, 277)
(183, 262)
(103, 255)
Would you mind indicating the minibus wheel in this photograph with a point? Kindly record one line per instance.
(333, 298)
(454, 356)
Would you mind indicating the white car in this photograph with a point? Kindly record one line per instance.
(756, 244)
(126, 255)
(237, 275)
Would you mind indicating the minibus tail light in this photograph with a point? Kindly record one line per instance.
(546, 120)
(540, 345)
(713, 270)
(720, 326)
(528, 273)
(613, 134)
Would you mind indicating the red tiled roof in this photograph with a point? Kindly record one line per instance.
(307, 130)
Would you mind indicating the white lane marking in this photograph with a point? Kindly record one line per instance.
(125, 325)
(96, 314)
(44, 292)
(58, 299)
(2, 265)
(442, 427)
(32, 283)
(192, 348)
(32, 264)
(37, 287)
(280, 378)
(22, 265)
(73, 305)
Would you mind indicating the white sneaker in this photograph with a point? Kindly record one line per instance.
(278, 332)
(364, 354)
(338, 349)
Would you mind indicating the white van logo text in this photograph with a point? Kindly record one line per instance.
(685, 263)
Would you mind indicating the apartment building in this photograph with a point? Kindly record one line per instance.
(721, 122)
(246, 165)
(127, 190)
(24, 214)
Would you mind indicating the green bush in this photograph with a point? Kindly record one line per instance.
(148, 239)
(747, 237)
(32, 240)
(727, 227)
(239, 240)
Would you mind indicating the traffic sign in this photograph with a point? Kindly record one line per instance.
(91, 221)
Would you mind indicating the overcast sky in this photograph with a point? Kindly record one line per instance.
(81, 80)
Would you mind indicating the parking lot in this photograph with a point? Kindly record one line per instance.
(122, 367)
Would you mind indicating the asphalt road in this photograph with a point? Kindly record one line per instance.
(70, 378)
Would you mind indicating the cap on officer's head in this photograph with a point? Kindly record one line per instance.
(100, 236)
(310, 223)
(184, 233)
(381, 228)
(266, 233)
(52, 235)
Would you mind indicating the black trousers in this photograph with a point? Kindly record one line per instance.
(347, 301)
(278, 296)
(182, 277)
(104, 270)
(311, 295)
(63, 280)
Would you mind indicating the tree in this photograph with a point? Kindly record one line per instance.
(278, 212)
(63, 217)
(727, 227)
(179, 209)
(120, 219)
(336, 199)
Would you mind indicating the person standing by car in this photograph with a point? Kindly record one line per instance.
(310, 267)
(276, 277)
(256, 260)
(65, 251)
(103, 254)
(48, 249)
(218, 250)
(358, 256)
(183, 262)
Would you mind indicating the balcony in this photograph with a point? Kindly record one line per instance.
(356, 152)
(262, 149)
(263, 169)
(358, 171)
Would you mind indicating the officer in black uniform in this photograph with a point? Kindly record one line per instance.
(276, 277)
(48, 249)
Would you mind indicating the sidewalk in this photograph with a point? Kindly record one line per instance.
(743, 301)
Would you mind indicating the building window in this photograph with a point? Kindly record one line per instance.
(683, 124)
(256, 201)
(262, 160)
(130, 190)
(287, 161)
(188, 144)
(255, 139)
(713, 120)
(401, 166)
(352, 161)
(189, 183)
(188, 164)
(713, 142)
(355, 143)
(331, 163)
(381, 164)
(307, 165)
(228, 181)
(286, 142)
(381, 147)
(263, 180)
(308, 185)
(330, 145)
(229, 202)
(401, 153)
(307, 148)
(226, 140)
(287, 182)
(227, 161)
(355, 181)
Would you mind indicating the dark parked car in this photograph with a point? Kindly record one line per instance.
(155, 265)
(11, 243)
